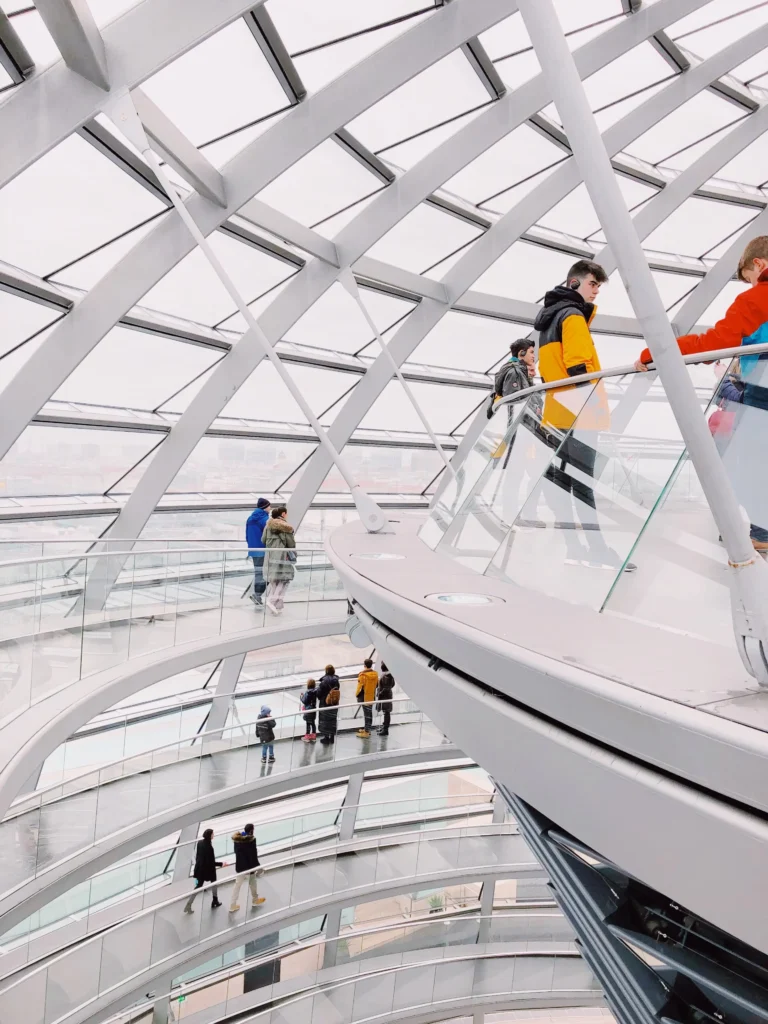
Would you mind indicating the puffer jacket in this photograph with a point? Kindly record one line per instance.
(246, 852)
(254, 528)
(324, 687)
(278, 539)
(367, 682)
(384, 692)
(567, 349)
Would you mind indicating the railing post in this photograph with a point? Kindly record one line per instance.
(748, 572)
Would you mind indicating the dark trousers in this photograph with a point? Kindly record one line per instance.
(259, 583)
(582, 457)
(385, 720)
(310, 718)
(368, 716)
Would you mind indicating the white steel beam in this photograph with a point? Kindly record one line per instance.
(79, 41)
(58, 101)
(178, 152)
(351, 244)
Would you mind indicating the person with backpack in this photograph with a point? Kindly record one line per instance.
(265, 732)
(308, 706)
(515, 375)
(246, 866)
(329, 713)
(254, 529)
(384, 695)
(205, 870)
(328, 682)
(367, 682)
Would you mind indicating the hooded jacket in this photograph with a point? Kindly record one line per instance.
(246, 853)
(265, 726)
(254, 528)
(566, 349)
(745, 323)
(384, 692)
(367, 682)
(277, 539)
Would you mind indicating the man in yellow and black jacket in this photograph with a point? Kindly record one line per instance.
(572, 417)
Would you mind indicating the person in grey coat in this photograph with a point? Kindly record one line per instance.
(280, 544)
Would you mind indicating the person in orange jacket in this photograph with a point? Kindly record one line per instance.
(745, 323)
(367, 682)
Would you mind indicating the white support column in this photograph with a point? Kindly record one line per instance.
(74, 31)
(749, 573)
(350, 805)
(178, 152)
(332, 928)
(488, 894)
(217, 717)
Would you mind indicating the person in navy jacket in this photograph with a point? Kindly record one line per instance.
(254, 528)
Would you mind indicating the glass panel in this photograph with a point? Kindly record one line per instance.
(466, 341)
(20, 319)
(227, 464)
(69, 460)
(691, 121)
(319, 184)
(386, 470)
(422, 238)
(193, 291)
(698, 225)
(264, 393)
(224, 83)
(335, 322)
(173, 364)
(302, 25)
(525, 272)
(449, 88)
(444, 406)
(68, 202)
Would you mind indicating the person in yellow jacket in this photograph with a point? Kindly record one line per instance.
(567, 349)
(367, 682)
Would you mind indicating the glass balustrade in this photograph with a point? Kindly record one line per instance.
(64, 618)
(161, 935)
(586, 493)
(227, 991)
(146, 790)
(82, 907)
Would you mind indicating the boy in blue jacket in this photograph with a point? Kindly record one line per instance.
(254, 528)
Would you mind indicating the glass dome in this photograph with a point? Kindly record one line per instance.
(410, 140)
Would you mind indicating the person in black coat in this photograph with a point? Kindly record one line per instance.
(329, 713)
(328, 682)
(246, 865)
(384, 697)
(205, 869)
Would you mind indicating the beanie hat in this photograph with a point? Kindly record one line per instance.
(263, 503)
(265, 710)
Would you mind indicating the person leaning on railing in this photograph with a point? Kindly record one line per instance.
(745, 323)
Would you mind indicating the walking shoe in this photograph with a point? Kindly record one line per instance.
(271, 760)
(273, 607)
(257, 902)
(234, 910)
(263, 760)
(325, 739)
(383, 732)
(306, 738)
(312, 737)
(363, 734)
(216, 903)
(256, 598)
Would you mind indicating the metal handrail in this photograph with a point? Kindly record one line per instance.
(312, 988)
(75, 556)
(623, 371)
(299, 945)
